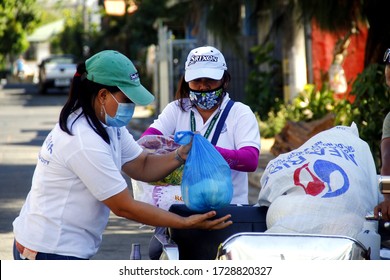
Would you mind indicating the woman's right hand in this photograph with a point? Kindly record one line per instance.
(184, 150)
(384, 209)
(202, 221)
(184, 138)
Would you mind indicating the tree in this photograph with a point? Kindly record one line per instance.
(77, 38)
(221, 18)
(17, 19)
(71, 39)
(131, 33)
(224, 21)
(336, 16)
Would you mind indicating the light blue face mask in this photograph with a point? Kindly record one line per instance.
(123, 115)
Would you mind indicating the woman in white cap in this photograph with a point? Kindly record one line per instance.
(201, 99)
(77, 180)
(201, 102)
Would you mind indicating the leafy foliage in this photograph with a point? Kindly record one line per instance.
(372, 103)
(370, 107)
(221, 19)
(310, 104)
(332, 15)
(131, 33)
(75, 39)
(274, 123)
(17, 19)
(71, 38)
(263, 91)
(173, 178)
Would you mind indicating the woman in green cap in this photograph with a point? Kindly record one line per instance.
(78, 180)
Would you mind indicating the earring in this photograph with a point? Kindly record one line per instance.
(101, 111)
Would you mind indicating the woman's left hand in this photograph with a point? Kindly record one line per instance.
(382, 211)
(202, 221)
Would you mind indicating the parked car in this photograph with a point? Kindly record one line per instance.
(56, 71)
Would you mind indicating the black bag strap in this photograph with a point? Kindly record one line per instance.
(221, 122)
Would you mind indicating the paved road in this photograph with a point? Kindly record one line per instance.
(25, 120)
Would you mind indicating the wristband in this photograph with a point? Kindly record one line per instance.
(178, 157)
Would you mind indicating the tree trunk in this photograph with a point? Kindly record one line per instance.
(294, 134)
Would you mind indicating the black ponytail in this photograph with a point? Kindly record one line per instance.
(72, 104)
(82, 94)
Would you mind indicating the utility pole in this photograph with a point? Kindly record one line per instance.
(85, 29)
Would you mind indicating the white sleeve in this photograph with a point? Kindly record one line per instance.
(167, 121)
(246, 127)
(130, 148)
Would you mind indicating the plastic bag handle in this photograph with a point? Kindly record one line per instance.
(183, 137)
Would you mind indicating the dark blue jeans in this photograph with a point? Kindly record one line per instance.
(44, 256)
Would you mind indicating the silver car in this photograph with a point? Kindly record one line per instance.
(56, 71)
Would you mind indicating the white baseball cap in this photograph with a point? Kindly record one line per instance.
(204, 62)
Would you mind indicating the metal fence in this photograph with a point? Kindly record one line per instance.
(239, 67)
(171, 55)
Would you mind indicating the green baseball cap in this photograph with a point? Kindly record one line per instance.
(111, 68)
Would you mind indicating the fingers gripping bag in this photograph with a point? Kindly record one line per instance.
(167, 191)
(206, 182)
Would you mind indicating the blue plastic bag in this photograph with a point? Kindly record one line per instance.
(207, 182)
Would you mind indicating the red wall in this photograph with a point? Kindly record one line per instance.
(323, 44)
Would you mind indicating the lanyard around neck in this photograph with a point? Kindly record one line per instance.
(209, 128)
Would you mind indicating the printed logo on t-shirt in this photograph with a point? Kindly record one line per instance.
(47, 150)
(49, 143)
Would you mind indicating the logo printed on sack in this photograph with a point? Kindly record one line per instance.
(295, 158)
(327, 179)
(201, 58)
(338, 151)
(165, 196)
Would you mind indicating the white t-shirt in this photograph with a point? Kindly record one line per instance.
(63, 213)
(240, 130)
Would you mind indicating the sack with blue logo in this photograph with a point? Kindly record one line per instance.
(326, 186)
(206, 182)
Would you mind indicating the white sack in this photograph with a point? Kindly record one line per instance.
(326, 186)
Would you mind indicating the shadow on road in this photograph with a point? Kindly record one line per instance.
(13, 192)
(28, 93)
